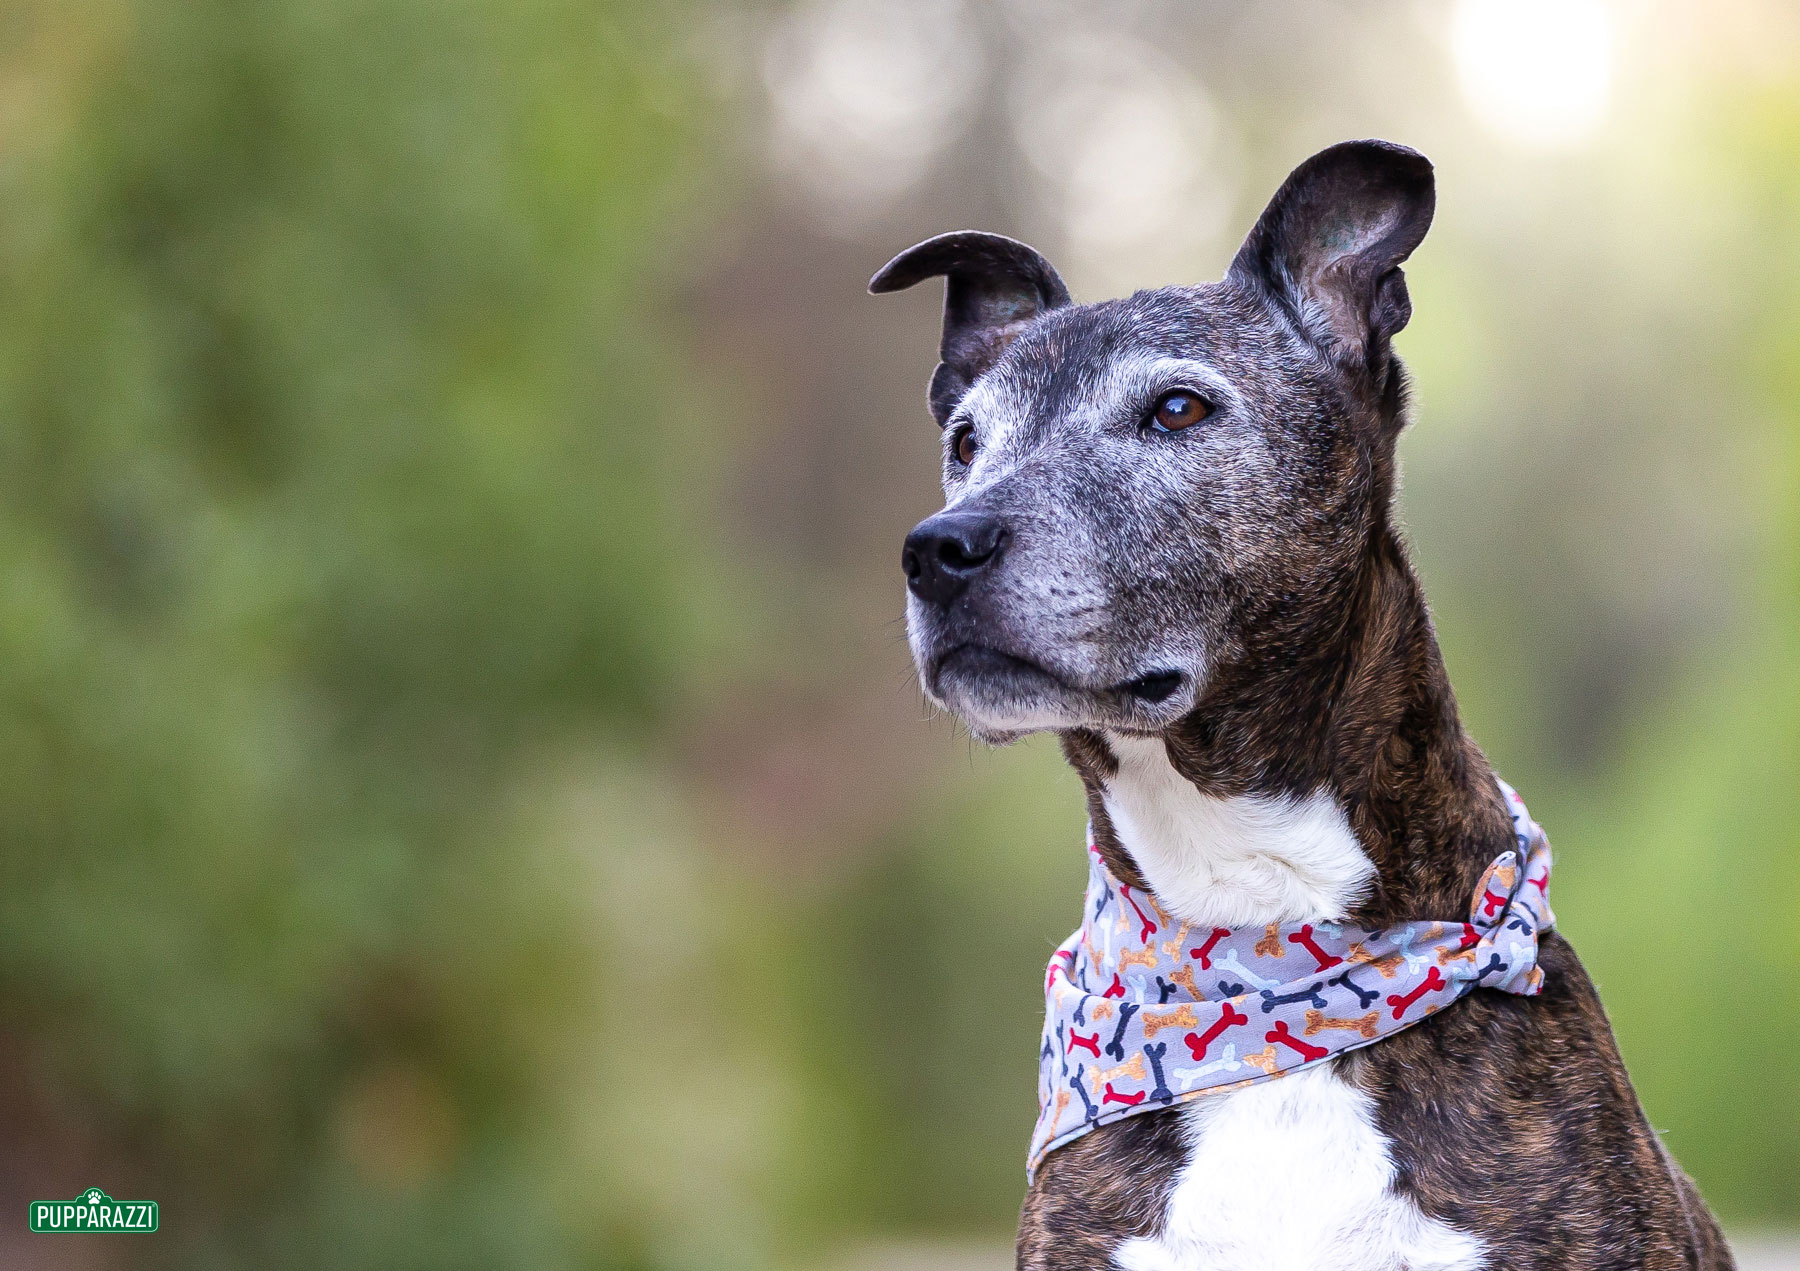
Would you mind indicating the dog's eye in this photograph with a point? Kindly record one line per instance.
(1179, 409)
(963, 446)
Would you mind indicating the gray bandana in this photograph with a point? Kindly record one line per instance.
(1144, 1013)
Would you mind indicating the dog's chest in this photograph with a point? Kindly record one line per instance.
(1236, 861)
(1290, 1173)
(1293, 1173)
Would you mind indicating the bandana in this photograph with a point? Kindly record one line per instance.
(1144, 1013)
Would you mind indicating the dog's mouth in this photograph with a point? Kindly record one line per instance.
(1158, 686)
(983, 666)
(1000, 693)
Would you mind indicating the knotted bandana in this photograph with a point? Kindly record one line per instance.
(1144, 1013)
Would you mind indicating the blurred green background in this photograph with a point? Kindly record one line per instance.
(464, 796)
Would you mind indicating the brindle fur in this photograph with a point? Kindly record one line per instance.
(1511, 1118)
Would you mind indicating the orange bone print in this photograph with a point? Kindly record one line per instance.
(1101, 1008)
(1264, 1059)
(1144, 957)
(1158, 910)
(1156, 1021)
(1172, 948)
(1447, 955)
(1270, 945)
(1185, 978)
(1133, 1068)
(1318, 1022)
(1387, 963)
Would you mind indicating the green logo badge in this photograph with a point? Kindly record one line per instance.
(93, 1211)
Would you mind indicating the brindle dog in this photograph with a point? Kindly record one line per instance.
(1169, 538)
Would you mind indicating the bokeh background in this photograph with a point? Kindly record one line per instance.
(465, 801)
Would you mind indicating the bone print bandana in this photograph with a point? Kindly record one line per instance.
(1144, 1013)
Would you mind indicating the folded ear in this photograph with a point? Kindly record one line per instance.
(1329, 245)
(995, 286)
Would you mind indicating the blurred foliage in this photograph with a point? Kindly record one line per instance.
(391, 878)
(317, 535)
(1690, 841)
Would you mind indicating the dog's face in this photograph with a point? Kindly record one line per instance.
(1141, 491)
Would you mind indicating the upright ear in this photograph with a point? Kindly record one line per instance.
(995, 286)
(1329, 245)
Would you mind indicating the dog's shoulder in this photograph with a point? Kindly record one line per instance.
(1514, 1117)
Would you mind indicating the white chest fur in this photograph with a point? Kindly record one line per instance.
(1232, 862)
(1291, 1173)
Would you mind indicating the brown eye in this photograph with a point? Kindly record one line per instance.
(964, 445)
(1180, 409)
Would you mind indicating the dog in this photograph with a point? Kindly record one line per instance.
(1168, 538)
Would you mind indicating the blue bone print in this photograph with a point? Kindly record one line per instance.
(1364, 997)
(1495, 963)
(1075, 1084)
(1116, 1047)
(1154, 1053)
(1310, 994)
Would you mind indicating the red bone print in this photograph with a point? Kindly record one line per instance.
(1542, 884)
(1113, 1096)
(1089, 1044)
(1227, 1017)
(1204, 952)
(1063, 957)
(1306, 1050)
(1470, 939)
(1304, 938)
(1431, 981)
(1116, 988)
(1148, 927)
(1491, 904)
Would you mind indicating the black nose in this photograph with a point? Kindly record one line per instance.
(944, 551)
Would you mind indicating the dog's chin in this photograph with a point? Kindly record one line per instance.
(1001, 696)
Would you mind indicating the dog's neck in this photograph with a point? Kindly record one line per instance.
(1317, 778)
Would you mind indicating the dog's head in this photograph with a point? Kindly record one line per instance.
(1143, 492)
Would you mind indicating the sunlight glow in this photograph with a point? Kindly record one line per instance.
(866, 96)
(1128, 150)
(1537, 72)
